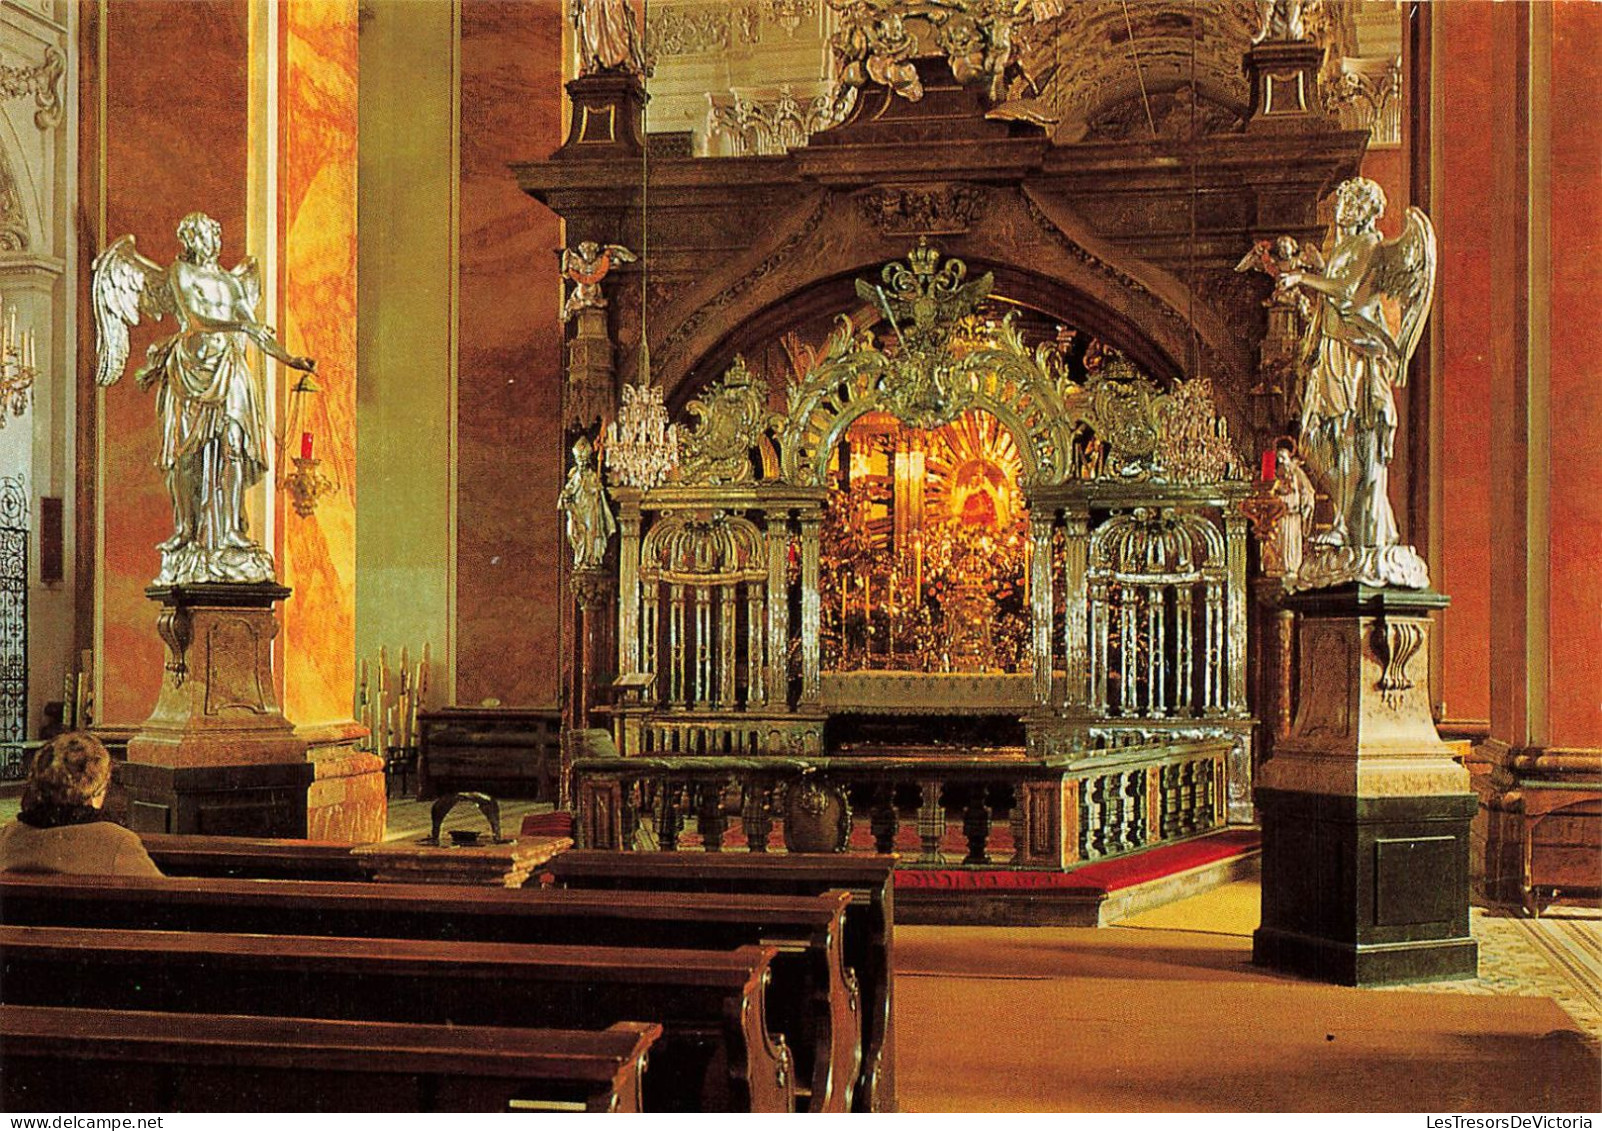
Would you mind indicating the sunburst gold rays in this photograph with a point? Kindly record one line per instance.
(972, 472)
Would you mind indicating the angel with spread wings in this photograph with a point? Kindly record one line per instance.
(585, 266)
(210, 406)
(1353, 361)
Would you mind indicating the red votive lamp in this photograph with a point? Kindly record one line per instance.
(306, 447)
(1268, 465)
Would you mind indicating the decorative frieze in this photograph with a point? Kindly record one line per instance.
(42, 83)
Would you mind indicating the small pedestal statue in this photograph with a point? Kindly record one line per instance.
(1365, 813)
(216, 754)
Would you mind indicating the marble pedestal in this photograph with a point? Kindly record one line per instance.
(1365, 813)
(216, 756)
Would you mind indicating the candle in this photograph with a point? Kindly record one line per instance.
(306, 446)
(1268, 466)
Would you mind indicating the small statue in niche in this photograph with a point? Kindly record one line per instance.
(585, 266)
(1282, 21)
(211, 406)
(1353, 361)
(606, 37)
(589, 517)
(1295, 490)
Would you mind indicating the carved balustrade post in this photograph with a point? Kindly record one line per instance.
(628, 590)
(1076, 626)
(778, 664)
(811, 609)
(1235, 558)
(1041, 601)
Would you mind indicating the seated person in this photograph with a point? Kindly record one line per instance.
(61, 827)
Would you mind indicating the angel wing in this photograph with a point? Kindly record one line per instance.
(124, 285)
(620, 253)
(1403, 270)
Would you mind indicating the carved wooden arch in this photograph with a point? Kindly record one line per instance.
(1040, 252)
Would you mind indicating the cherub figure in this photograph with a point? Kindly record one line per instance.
(1353, 360)
(214, 436)
(585, 266)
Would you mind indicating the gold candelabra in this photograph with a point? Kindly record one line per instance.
(18, 364)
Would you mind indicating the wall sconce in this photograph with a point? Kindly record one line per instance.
(306, 483)
(18, 367)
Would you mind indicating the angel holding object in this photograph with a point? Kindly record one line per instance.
(585, 266)
(210, 405)
(1352, 363)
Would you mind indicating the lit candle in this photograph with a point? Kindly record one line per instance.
(306, 446)
(1268, 466)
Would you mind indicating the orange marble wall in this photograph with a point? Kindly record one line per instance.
(1462, 212)
(159, 139)
(1575, 452)
(317, 240)
(508, 432)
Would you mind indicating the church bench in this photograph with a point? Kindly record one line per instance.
(869, 920)
(257, 858)
(715, 1052)
(812, 998)
(63, 1059)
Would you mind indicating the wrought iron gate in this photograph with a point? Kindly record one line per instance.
(13, 624)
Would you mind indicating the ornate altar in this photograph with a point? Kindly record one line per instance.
(953, 478)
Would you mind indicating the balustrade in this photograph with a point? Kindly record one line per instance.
(1011, 809)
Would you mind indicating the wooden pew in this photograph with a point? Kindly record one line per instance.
(813, 997)
(256, 858)
(869, 921)
(61, 1059)
(715, 1053)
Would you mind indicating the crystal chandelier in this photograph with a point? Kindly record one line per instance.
(642, 448)
(18, 367)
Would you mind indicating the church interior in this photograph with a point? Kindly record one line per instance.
(1075, 520)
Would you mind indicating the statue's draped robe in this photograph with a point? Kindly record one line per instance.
(1349, 415)
(206, 386)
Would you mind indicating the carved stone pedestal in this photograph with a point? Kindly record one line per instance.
(608, 116)
(1365, 813)
(1284, 85)
(216, 755)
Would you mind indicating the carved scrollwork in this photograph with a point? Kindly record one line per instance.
(41, 81)
(732, 416)
(923, 209)
(1396, 642)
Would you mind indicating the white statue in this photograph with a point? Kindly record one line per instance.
(606, 37)
(214, 435)
(1280, 21)
(1296, 491)
(1352, 362)
(589, 517)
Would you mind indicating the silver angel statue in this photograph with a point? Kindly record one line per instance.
(210, 405)
(1353, 360)
(590, 524)
(585, 266)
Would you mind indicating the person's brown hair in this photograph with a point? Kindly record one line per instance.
(70, 769)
